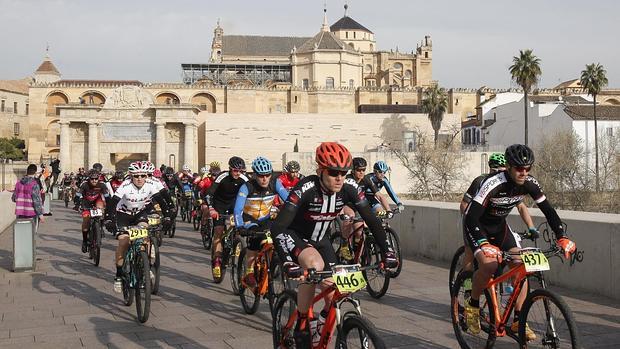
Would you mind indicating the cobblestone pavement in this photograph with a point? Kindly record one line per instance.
(69, 303)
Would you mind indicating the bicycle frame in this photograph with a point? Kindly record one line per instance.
(264, 258)
(520, 276)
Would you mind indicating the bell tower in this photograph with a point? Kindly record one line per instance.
(216, 45)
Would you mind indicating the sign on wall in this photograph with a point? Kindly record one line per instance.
(121, 131)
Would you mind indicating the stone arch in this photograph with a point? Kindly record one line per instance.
(94, 97)
(398, 66)
(52, 136)
(205, 101)
(368, 69)
(351, 45)
(167, 97)
(612, 101)
(54, 151)
(53, 99)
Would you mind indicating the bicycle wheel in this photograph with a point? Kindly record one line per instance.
(250, 298)
(456, 266)
(155, 263)
(207, 234)
(233, 259)
(277, 281)
(143, 286)
(90, 241)
(188, 211)
(128, 292)
(394, 241)
(460, 293)
(183, 212)
(286, 305)
(173, 229)
(66, 197)
(196, 221)
(96, 243)
(550, 318)
(358, 332)
(377, 280)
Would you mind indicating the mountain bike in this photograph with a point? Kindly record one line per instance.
(352, 329)
(185, 203)
(232, 247)
(172, 228)
(267, 271)
(136, 272)
(196, 214)
(546, 313)
(155, 236)
(95, 234)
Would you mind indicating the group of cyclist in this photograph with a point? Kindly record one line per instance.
(306, 207)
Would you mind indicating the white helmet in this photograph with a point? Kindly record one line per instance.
(138, 167)
(150, 167)
(186, 167)
(204, 170)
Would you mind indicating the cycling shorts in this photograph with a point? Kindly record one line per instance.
(501, 236)
(124, 220)
(293, 245)
(255, 242)
(222, 211)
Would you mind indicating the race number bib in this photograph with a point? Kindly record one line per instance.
(96, 212)
(154, 220)
(137, 233)
(535, 261)
(348, 281)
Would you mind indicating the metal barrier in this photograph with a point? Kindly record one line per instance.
(24, 249)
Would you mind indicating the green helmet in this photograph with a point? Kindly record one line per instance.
(497, 160)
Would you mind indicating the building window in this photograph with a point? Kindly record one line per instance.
(353, 35)
(305, 83)
(16, 128)
(329, 82)
(295, 99)
(425, 54)
(27, 109)
(610, 132)
(58, 140)
(15, 107)
(351, 83)
(2, 107)
(346, 34)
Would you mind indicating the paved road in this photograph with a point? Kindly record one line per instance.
(69, 303)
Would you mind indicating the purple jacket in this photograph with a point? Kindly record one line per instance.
(27, 198)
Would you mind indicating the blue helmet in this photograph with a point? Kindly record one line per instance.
(262, 166)
(381, 166)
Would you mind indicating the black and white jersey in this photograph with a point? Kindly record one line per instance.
(224, 190)
(133, 199)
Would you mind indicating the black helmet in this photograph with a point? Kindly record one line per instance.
(169, 170)
(292, 166)
(359, 163)
(92, 174)
(97, 166)
(236, 163)
(519, 155)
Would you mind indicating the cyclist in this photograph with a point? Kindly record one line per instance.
(380, 168)
(301, 227)
(130, 205)
(170, 180)
(214, 169)
(202, 187)
(288, 179)
(223, 193)
(185, 179)
(357, 177)
(81, 176)
(116, 181)
(486, 232)
(91, 194)
(253, 209)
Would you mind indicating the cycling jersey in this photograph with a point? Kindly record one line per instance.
(287, 182)
(498, 194)
(88, 195)
(115, 184)
(309, 211)
(365, 184)
(379, 184)
(203, 186)
(473, 188)
(66, 182)
(131, 200)
(223, 191)
(253, 203)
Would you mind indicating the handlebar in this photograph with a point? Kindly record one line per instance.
(312, 276)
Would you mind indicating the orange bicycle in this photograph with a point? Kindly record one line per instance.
(267, 271)
(353, 330)
(546, 313)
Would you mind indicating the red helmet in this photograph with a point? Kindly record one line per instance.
(333, 156)
(157, 173)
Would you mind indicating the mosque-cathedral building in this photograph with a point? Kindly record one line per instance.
(336, 84)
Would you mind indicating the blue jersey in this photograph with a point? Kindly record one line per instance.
(379, 184)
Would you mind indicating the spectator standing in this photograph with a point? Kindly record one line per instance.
(27, 196)
(55, 165)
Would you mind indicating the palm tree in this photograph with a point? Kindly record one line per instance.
(593, 79)
(435, 103)
(525, 71)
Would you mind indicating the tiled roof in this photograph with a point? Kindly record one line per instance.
(249, 45)
(586, 112)
(348, 23)
(17, 86)
(574, 83)
(324, 41)
(47, 67)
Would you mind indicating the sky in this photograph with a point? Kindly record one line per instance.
(474, 41)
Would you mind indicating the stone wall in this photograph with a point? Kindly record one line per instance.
(7, 214)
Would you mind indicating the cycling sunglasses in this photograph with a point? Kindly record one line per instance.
(263, 175)
(360, 169)
(139, 176)
(523, 168)
(336, 173)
